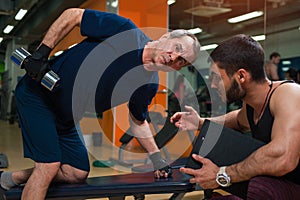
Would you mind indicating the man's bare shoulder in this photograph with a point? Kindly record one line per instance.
(286, 91)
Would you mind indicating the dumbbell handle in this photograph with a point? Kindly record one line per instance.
(49, 80)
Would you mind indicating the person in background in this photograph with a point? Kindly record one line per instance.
(271, 67)
(268, 111)
(291, 74)
(298, 76)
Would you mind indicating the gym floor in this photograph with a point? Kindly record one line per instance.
(11, 145)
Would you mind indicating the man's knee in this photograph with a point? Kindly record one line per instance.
(73, 175)
(46, 171)
(78, 177)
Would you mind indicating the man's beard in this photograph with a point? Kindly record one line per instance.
(234, 93)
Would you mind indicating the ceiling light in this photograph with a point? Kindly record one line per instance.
(8, 29)
(170, 2)
(195, 30)
(285, 69)
(207, 47)
(245, 17)
(20, 14)
(286, 62)
(1, 39)
(259, 37)
(114, 4)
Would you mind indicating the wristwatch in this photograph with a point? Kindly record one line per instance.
(222, 178)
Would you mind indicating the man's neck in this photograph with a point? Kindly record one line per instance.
(256, 95)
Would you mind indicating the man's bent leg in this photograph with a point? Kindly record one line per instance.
(74, 157)
(70, 174)
(39, 181)
(11, 179)
(20, 177)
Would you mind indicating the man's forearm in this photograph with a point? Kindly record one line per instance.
(143, 133)
(149, 144)
(263, 161)
(62, 26)
(229, 120)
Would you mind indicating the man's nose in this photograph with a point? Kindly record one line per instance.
(213, 83)
(173, 56)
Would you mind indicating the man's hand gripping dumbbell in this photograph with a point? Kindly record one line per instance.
(37, 65)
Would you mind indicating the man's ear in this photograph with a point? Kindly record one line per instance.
(241, 74)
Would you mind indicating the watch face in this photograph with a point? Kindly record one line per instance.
(222, 180)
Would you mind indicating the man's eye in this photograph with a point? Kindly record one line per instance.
(178, 48)
(215, 77)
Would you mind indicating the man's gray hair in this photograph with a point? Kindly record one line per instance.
(178, 33)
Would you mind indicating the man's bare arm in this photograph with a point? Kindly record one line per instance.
(282, 154)
(273, 72)
(191, 120)
(69, 19)
(235, 119)
(143, 133)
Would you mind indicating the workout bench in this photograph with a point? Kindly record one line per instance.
(114, 187)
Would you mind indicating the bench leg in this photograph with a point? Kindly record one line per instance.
(177, 196)
(139, 196)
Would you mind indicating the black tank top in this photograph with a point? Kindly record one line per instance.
(263, 128)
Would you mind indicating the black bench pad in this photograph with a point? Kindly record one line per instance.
(114, 186)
